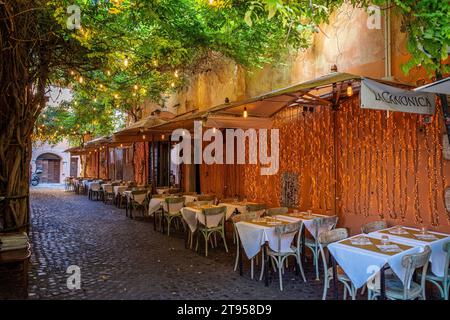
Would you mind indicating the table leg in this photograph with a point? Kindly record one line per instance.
(162, 221)
(335, 281)
(267, 265)
(383, 283)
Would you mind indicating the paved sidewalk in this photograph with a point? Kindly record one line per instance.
(126, 259)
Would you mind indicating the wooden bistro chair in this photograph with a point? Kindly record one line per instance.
(209, 198)
(207, 230)
(324, 239)
(173, 211)
(276, 211)
(95, 191)
(260, 208)
(279, 256)
(108, 193)
(240, 218)
(374, 226)
(319, 224)
(442, 283)
(138, 201)
(408, 289)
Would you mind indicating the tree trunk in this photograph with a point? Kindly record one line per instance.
(23, 77)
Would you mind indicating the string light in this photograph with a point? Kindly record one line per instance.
(95, 99)
(136, 87)
(143, 137)
(72, 72)
(172, 84)
(126, 62)
(108, 72)
(176, 73)
(81, 80)
(162, 137)
(116, 96)
(349, 90)
(245, 112)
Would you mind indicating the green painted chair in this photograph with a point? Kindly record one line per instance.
(172, 212)
(408, 289)
(209, 198)
(276, 211)
(324, 239)
(442, 283)
(374, 226)
(207, 229)
(138, 201)
(279, 257)
(319, 225)
(241, 218)
(258, 207)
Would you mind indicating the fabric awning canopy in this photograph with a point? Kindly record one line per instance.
(232, 122)
(98, 142)
(439, 87)
(140, 126)
(263, 106)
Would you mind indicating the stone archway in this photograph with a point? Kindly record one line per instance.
(50, 164)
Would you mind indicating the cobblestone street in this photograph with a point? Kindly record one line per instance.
(126, 259)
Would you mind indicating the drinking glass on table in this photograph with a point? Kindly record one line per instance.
(424, 230)
(309, 212)
(384, 240)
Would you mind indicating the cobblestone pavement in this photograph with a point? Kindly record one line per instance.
(126, 259)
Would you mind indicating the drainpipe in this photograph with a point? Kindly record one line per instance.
(387, 43)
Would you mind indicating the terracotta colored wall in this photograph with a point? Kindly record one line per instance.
(387, 167)
(141, 162)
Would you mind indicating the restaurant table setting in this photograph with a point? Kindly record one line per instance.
(415, 237)
(119, 190)
(307, 218)
(194, 214)
(362, 256)
(257, 232)
(236, 207)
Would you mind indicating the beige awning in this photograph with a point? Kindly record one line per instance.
(438, 87)
(233, 122)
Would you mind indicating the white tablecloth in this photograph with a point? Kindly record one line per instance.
(105, 186)
(155, 204)
(139, 198)
(193, 216)
(437, 258)
(119, 190)
(254, 236)
(361, 265)
(231, 207)
(190, 198)
(308, 223)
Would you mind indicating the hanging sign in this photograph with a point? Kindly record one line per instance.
(379, 96)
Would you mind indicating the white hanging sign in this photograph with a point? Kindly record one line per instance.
(379, 96)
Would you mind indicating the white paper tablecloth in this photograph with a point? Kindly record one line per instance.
(193, 216)
(437, 258)
(361, 265)
(254, 236)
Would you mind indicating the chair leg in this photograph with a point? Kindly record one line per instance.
(206, 244)
(299, 262)
(262, 265)
(224, 241)
(237, 256)
(280, 273)
(316, 259)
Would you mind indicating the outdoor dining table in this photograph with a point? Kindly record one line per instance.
(236, 207)
(415, 237)
(361, 257)
(260, 233)
(190, 198)
(193, 215)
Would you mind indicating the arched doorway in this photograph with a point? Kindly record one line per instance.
(50, 164)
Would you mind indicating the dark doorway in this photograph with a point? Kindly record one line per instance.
(74, 167)
(50, 164)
